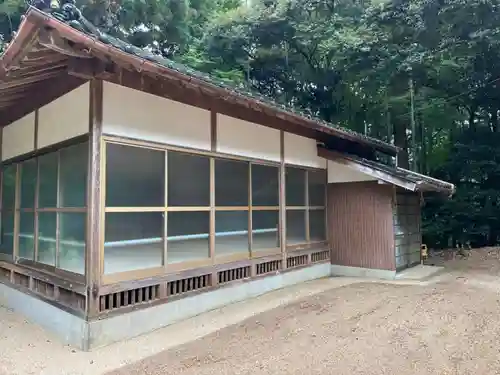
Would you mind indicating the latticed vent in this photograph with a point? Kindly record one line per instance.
(4, 274)
(43, 288)
(189, 284)
(21, 280)
(296, 261)
(266, 267)
(129, 297)
(320, 256)
(71, 299)
(233, 274)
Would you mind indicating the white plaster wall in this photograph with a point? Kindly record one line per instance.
(302, 151)
(64, 118)
(19, 137)
(340, 173)
(135, 114)
(244, 138)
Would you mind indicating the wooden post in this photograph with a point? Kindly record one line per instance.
(17, 204)
(249, 217)
(306, 203)
(214, 279)
(94, 203)
(35, 137)
(282, 218)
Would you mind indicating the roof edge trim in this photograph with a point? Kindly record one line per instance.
(354, 165)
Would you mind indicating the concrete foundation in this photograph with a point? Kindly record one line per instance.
(362, 272)
(68, 327)
(88, 335)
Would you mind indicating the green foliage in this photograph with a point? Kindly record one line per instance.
(473, 214)
(350, 62)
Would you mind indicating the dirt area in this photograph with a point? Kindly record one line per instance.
(451, 327)
(448, 324)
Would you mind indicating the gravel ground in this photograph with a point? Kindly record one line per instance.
(336, 325)
(451, 327)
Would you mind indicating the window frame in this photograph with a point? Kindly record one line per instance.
(307, 208)
(213, 259)
(36, 210)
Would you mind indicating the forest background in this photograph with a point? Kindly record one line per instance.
(421, 74)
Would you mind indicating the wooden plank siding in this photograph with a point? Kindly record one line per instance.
(360, 224)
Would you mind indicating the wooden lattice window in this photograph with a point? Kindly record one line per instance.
(267, 267)
(296, 261)
(233, 274)
(190, 284)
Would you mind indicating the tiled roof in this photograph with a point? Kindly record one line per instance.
(69, 14)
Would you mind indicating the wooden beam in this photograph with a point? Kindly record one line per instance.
(51, 39)
(282, 201)
(35, 138)
(94, 203)
(89, 68)
(39, 58)
(19, 46)
(24, 81)
(213, 130)
(25, 72)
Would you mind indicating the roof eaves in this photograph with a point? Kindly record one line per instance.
(401, 177)
(18, 45)
(157, 64)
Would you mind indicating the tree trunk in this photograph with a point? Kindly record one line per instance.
(494, 120)
(472, 117)
(401, 141)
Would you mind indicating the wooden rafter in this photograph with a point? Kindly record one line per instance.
(34, 71)
(52, 40)
(31, 79)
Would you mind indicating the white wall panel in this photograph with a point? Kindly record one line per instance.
(340, 173)
(244, 138)
(64, 118)
(19, 137)
(302, 151)
(135, 114)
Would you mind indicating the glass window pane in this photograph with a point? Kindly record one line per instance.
(27, 235)
(7, 238)
(265, 230)
(73, 179)
(265, 185)
(28, 183)
(47, 196)
(317, 225)
(133, 240)
(317, 188)
(295, 187)
(135, 176)
(295, 227)
(47, 238)
(9, 187)
(188, 236)
(188, 180)
(72, 229)
(231, 232)
(231, 183)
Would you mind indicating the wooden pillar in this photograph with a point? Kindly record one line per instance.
(94, 203)
(282, 218)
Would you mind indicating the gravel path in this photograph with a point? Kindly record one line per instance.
(330, 326)
(450, 328)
